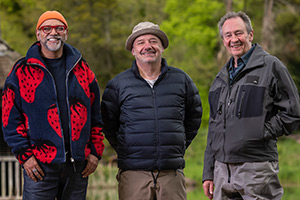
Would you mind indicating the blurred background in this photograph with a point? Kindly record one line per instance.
(99, 28)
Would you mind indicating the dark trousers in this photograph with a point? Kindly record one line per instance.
(60, 182)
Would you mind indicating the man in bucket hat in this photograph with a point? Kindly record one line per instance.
(51, 115)
(151, 114)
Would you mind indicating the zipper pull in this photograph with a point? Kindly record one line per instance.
(73, 163)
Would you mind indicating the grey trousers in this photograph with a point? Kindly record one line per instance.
(249, 181)
(147, 185)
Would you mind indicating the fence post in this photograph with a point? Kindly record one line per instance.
(11, 178)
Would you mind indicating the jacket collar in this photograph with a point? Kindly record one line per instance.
(255, 60)
(72, 55)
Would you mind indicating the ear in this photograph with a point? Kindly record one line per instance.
(67, 31)
(132, 52)
(251, 34)
(37, 34)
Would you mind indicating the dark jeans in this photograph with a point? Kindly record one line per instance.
(60, 182)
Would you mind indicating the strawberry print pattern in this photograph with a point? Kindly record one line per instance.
(87, 151)
(97, 139)
(92, 97)
(84, 76)
(8, 97)
(44, 150)
(30, 78)
(78, 117)
(24, 155)
(23, 127)
(35, 61)
(53, 119)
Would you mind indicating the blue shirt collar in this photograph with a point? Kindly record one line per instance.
(241, 62)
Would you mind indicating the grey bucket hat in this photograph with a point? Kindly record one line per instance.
(143, 28)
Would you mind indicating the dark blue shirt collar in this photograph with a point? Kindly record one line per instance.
(241, 63)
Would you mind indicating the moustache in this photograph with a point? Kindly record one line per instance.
(148, 51)
(54, 37)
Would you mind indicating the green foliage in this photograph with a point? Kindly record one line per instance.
(16, 27)
(289, 161)
(288, 32)
(192, 30)
(194, 157)
(192, 21)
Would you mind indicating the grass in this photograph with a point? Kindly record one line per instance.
(289, 170)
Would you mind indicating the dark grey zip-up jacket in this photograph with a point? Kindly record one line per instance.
(150, 128)
(247, 117)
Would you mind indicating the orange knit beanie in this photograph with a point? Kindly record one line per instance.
(51, 15)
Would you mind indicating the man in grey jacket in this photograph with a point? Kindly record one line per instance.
(253, 101)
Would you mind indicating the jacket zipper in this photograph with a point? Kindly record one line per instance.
(156, 126)
(58, 110)
(155, 111)
(241, 104)
(68, 105)
(224, 113)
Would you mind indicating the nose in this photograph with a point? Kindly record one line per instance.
(235, 38)
(147, 45)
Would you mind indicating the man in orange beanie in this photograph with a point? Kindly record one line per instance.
(51, 115)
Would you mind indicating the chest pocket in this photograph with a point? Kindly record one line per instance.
(250, 101)
(213, 102)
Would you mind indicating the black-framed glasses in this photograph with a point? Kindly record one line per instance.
(58, 29)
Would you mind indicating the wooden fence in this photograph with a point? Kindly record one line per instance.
(11, 180)
(102, 183)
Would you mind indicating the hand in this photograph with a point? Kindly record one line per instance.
(33, 169)
(91, 165)
(208, 187)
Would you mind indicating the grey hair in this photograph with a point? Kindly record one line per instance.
(230, 15)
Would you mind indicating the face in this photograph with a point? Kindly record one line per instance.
(147, 49)
(53, 41)
(236, 38)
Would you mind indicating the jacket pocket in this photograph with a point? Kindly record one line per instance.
(214, 101)
(250, 101)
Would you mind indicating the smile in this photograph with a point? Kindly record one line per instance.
(148, 53)
(237, 45)
(53, 39)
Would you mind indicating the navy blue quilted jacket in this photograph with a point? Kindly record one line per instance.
(150, 128)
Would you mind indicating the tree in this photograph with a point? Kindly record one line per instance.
(268, 23)
(192, 30)
(286, 43)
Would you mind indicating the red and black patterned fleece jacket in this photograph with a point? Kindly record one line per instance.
(30, 114)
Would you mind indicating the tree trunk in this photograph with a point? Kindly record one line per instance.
(229, 4)
(268, 25)
(108, 41)
(223, 55)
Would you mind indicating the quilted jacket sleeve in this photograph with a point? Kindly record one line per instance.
(193, 111)
(110, 113)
